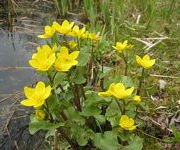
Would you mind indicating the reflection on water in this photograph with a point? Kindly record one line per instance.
(16, 47)
(15, 52)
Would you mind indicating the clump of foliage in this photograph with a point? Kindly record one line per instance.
(85, 103)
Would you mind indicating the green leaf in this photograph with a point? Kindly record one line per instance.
(59, 78)
(135, 143)
(143, 106)
(113, 114)
(131, 109)
(57, 105)
(36, 125)
(74, 115)
(92, 98)
(81, 134)
(83, 58)
(78, 75)
(176, 134)
(91, 111)
(100, 118)
(106, 141)
(106, 71)
(127, 81)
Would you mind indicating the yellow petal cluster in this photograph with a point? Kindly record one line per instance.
(93, 36)
(68, 28)
(127, 123)
(65, 60)
(136, 99)
(145, 61)
(120, 46)
(40, 115)
(64, 28)
(36, 96)
(77, 32)
(118, 91)
(72, 44)
(49, 32)
(44, 58)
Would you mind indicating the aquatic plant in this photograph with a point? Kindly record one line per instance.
(70, 104)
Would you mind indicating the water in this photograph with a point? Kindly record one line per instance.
(16, 48)
(15, 52)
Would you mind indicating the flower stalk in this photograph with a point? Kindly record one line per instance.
(140, 82)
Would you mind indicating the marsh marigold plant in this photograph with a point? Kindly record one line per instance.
(44, 58)
(120, 46)
(40, 114)
(49, 32)
(145, 62)
(127, 123)
(118, 91)
(36, 96)
(136, 99)
(64, 28)
(65, 60)
(69, 105)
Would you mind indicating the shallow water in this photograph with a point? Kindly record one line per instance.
(15, 52)
(17, 47)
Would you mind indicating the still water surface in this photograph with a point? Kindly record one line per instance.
(15, 51)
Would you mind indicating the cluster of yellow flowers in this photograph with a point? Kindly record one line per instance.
(47, 57)
(120, 92)
(61, 60)
(145, 62)
(69, 29)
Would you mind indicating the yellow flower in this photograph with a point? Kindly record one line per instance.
(136, 99)
(93, 36)
(117, 90)
(40, 115)
(49, 32)
(85, 35)
(122, 46)
(72, 44)
(127, 123)
(36, 96)
(145, 61)
(44, 58)
(65, 60)
(77, 32)
(108, 92)
(65, 28)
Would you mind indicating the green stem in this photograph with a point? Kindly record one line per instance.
(77, 99)
(78, 42)
(97, 122)
(126, 64)
(140, 82)
(102, 80)
(70, 141)
(83, 92)
(55, 144)
(75, 91)
(124, 104)
(47, 109)
(120, 108)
